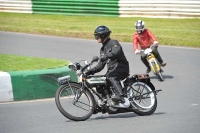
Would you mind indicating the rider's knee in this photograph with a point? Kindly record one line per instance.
(154, 49)
(143, 56)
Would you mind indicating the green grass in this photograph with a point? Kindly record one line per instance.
(176, 32)
(20, 63)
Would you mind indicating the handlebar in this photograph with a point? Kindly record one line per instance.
(83, 68)
(146, 48)
(76, 66)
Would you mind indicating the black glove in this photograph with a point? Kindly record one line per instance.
(90, 72)
(103, 58)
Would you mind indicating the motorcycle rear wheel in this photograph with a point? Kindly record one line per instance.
(144, 101)
(72, 103)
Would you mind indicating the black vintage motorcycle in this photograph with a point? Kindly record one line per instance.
(90, 95)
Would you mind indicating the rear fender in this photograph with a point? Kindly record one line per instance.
(145, 79)
(151, 85)
(140, 78)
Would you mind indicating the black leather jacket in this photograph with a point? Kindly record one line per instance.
(116, 63)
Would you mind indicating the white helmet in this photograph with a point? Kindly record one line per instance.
(139, 26)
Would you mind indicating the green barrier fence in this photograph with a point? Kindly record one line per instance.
(76, 7)
(38, 84)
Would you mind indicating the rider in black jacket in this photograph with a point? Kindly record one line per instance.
(111, 53)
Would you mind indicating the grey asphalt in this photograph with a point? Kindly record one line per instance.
(178, 108)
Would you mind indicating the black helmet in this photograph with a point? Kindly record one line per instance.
(139, 26)
(101, 32)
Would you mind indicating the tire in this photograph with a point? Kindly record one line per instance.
(158, 73)
(137, 91)
(160, 76)
(79, 110)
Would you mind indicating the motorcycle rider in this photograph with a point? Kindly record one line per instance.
(111, 53)
(145, 38)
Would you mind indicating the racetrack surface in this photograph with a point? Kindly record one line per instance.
(178, 108)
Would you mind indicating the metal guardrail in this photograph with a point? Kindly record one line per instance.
(17, 6)
(159, 8)
(122, 8)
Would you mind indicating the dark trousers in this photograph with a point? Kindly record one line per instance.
(155, 52)
(115, 83)
(113, 79)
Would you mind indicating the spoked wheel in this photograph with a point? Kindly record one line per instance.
(142, 98)
(73, 103)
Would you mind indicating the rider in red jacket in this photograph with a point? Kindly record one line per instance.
(145, 38)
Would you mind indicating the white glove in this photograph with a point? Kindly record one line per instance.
(137, 51)
(155, 43)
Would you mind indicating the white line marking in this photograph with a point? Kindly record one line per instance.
(194, 104)
(27, 101)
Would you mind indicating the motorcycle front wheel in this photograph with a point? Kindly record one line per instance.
(144, 101)
(160, 76)
(157, 72)
(73, 103)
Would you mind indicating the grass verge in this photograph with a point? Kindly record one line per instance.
(20, 63)
(175, 32)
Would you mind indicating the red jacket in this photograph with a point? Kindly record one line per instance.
(145, 39)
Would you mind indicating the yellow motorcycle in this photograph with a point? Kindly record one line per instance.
(154, 64)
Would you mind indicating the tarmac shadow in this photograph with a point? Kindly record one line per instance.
(164, 76)
(120, 115)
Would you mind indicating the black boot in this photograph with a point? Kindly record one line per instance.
(117, 98)
(117, 90)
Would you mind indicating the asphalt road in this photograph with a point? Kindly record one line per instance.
(178, 108)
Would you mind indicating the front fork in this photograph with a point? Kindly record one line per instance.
(157, 66)
(78, 93)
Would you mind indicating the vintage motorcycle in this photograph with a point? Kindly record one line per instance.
(79, 100)
(154, 63)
